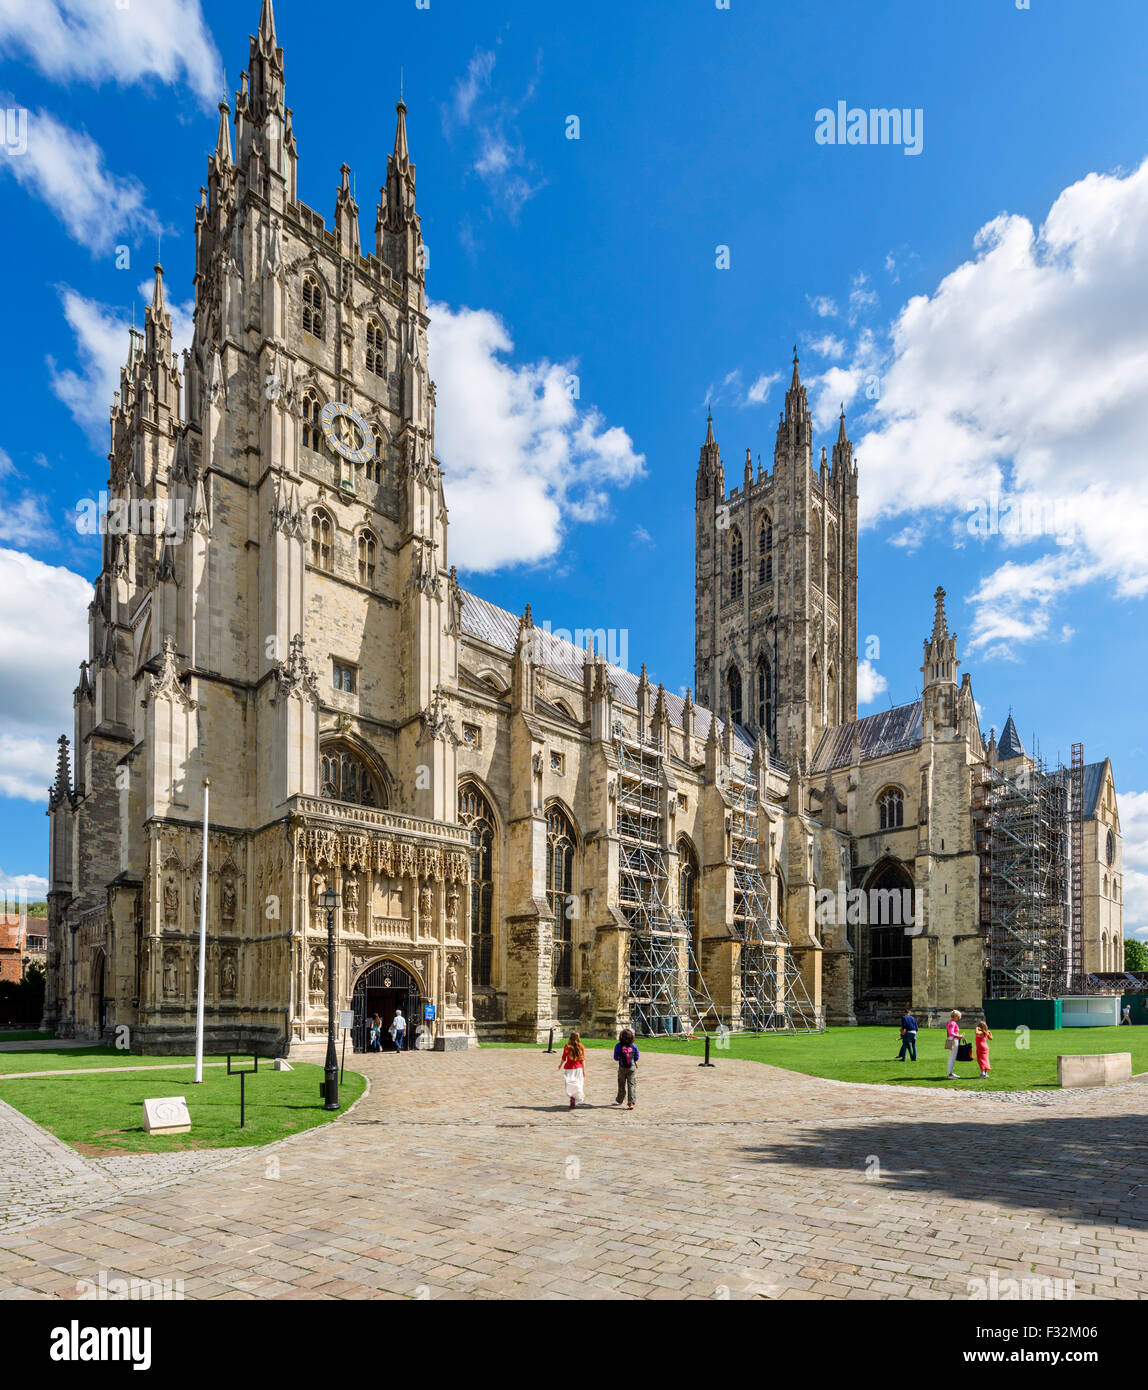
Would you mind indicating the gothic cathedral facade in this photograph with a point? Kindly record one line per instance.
(295, 635)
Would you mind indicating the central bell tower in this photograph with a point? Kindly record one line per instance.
(776, 586)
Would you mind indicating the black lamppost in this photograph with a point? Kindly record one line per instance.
(330, 901)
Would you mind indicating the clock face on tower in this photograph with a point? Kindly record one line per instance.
(347, 433)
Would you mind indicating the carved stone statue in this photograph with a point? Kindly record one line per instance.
(170, 899)
(227, 901)
(425, 904)
(318, 972)
(229, 974)
(451, 982)
(170, 975)
(318, 888)
(351, 899)
(452, 908)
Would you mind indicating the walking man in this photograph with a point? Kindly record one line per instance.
(908, 1037)
(398, 1030)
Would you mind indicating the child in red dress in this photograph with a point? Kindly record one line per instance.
(981, 1039)
(573, 1069)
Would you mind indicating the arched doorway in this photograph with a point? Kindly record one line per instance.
(884, 940)
(382, 988)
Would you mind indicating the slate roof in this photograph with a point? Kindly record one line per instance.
(1093, 780)
(891, 731)
(1010, 745)
(497, 627)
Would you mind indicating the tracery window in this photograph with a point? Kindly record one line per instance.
(688, 879)
(735, 563)
(764, 696)
(892, 804)
(474, 812)
(312, 307)
(322, 548)
(345, 776)
(560, 892)
(765, 550)
(368, 547)
(312, 438)
(734, 683)
(376, 348)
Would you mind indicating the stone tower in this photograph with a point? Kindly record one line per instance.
(776, 586)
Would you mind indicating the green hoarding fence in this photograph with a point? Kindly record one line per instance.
(1028, 1013)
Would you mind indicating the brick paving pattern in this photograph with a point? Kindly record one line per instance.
(465, 1175)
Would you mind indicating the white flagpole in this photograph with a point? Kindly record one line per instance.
(202, 941)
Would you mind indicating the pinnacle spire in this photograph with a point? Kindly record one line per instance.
(841, 436)
(401, 153)
(940, 622)
(267, 22)
(223, 142)
(795, 384)
(157, 303)
(710, 427)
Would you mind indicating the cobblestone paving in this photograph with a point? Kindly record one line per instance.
(465, 1175)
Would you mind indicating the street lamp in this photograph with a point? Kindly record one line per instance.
(330, 901)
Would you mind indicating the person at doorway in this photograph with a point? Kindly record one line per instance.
(952, 1037)
(982, 1039)
(626, 1055)
(1126, 1016)
(376, 1034)
(398, 1030)
(573, 1069)
(908, 1037)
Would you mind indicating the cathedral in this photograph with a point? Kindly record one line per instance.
(520, 834)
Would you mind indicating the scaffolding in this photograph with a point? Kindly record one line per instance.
(773, 993)
(667, 993)
(1023, 824)
(1076, 831)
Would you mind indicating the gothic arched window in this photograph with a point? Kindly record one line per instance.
(831, 561)
(322, 550)
(375, 467)
(735, 560)
(764, 696)
(367, 549)
(475, 813)
(312, 307)
(688, 879)
(765, 550)
(345, 776)
(312, 439)
(816, 550)
(831, 697)
(892, 804)
(376, 348)
(560, 892)
(734, 683)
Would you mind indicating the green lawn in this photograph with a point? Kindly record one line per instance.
(15, 1035)
(104, 1114)
(52, 1057)
(869, 1054)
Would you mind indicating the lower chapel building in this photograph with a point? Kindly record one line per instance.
(520, 833)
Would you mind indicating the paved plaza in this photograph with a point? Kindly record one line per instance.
(465, 1175)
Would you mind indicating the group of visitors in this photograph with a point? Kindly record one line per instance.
(953, 1042)
(397, 1031)
(573, 1069)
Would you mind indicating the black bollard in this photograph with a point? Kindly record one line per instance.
(707, 1062)
(550, 1042)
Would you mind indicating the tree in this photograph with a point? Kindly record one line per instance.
(1135, 954)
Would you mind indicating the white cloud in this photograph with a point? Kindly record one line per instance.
(102, 347)
(499, 158)
(21, 889)
(1133, 809)
(828, 346)
(38, 667)
(522, 460)
(870, 683)
(1026, 367)
(65, 169)
(758, 393)
(98, 41)
(25, 520)
(822, 306)
(861, 297)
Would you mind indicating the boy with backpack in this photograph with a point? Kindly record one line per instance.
(626, 1055)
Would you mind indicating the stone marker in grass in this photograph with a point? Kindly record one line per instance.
(166, 1115)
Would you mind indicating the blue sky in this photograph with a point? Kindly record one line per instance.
(981, 307)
